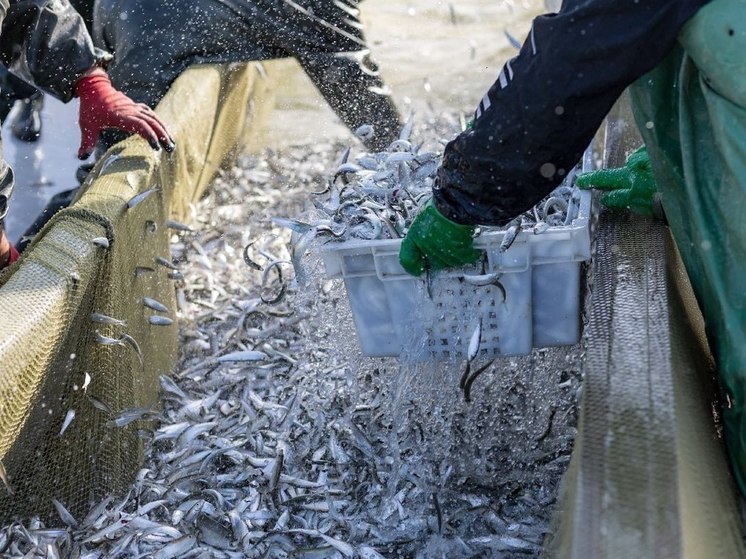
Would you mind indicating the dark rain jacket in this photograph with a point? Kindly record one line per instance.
(45, 43)
(537, 119)
(153, 41)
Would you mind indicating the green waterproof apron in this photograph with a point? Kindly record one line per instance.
(691, 111)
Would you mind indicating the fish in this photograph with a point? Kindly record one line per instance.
(177, 226)
(138, 198)
(125, 417)
(142, 270)
(101, 318)
(69, 416)
(67, 518)
(158, 320)
(242, 356)
(86, 381)
(99, 405)
(474, 342)
(154, 304)
(5, 479)
(510, 237)
(470, 380)
(515, 43)
(166, 263)
(102, 242)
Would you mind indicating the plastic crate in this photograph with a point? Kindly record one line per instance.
(537, 304)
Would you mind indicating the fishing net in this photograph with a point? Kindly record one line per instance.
(648, 476)
(65, 378)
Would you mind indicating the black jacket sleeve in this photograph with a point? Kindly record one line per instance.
(46, 43)
(536, 120)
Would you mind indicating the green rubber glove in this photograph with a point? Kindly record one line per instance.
(434, 241)
(631, 186)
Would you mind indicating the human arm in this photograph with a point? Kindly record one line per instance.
(535, 122)
(46, 43)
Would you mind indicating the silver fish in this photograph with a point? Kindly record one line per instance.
(137, 198)
(101, 318)
(142, 270)
(160, 320)
(69, 416)
(166, 263)
(177, 226)
(65, 515)
(155, 305)
(239, 356)
(5, 479)
(474, 342)
(509, 237)
(99, 405)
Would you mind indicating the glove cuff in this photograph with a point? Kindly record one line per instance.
(94, 84)
(443, 221)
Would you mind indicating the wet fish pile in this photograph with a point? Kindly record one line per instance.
(377, 196)
(278, 439)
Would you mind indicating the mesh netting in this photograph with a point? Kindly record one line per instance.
(649, 476)
(64, 377)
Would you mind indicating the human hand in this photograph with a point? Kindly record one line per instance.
(631, 186)
(435, 242)
(102, 106)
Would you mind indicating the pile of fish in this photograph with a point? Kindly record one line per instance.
(378, 195)
(277, 439)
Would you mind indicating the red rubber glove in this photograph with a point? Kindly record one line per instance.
(10, 256)
(102, 106)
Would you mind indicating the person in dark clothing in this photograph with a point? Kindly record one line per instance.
(683, 63)
(27, 123)
(45, 43)
(536, 120)
(153, 41)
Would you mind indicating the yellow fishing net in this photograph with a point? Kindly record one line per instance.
(60, 367)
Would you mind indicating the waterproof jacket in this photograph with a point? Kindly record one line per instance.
(537, 119)
(45, 43)
(153, 41)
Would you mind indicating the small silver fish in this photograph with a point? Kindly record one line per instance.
(65, 515)
(166, 263)
(142, 270)
(177, 226)
(69, 416)
(160, 320)
(132, 342)
(106, 340)
(86, 382)
(155, 305)
(126, 417)
(515, 43)
(137, 198)
(102, 242)
(482, 279)
(365, 132)
(242, 356)
(5, 480)
(474, 342)
(99, 405)
(509, 237)
(111, 159)
(100, 318)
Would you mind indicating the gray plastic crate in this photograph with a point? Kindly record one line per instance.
(540, 276)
